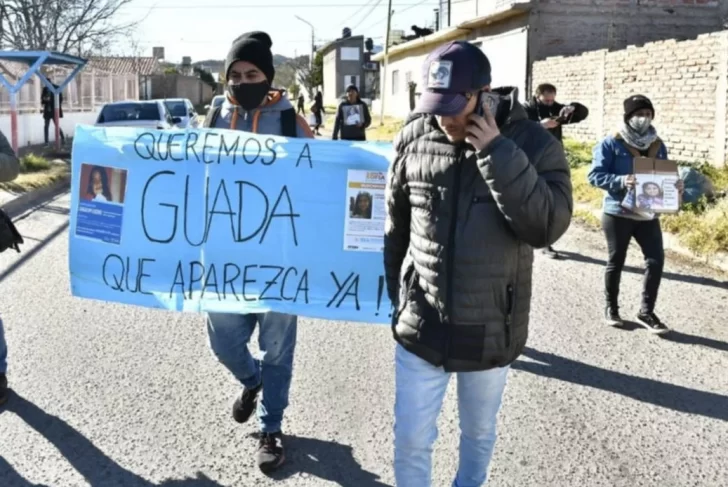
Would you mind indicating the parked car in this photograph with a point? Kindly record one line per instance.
(216, 102)
(185, 110)
(143, 114)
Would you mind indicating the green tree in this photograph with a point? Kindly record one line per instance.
(317, 72)
(294, 90)
(206, 76)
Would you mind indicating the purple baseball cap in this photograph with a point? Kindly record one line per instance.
(448, 74)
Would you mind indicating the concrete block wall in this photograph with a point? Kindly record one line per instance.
(687, 82)
(568, 27)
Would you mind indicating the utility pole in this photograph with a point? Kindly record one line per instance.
(313, 41)
(383, 82)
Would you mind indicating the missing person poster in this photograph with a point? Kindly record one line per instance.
(366, 211)
(655, 188)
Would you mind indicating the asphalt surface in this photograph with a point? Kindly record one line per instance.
(110, 395)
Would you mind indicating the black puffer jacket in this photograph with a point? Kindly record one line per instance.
(537, 111)
(460, 232)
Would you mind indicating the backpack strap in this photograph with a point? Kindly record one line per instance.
(211, 118)
(288, 123)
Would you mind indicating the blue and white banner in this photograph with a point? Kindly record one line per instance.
(226, 221)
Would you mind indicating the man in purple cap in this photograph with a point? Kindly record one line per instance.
(474, 188)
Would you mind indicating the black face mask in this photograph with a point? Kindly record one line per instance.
(249, 95)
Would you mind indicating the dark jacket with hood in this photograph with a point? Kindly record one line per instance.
(460, 232)
(9, 163)
(350, 131)
(48, 102)
(537, 111)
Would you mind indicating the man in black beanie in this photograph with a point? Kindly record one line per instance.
(252, 106)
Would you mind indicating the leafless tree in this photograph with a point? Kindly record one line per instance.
(78, 27)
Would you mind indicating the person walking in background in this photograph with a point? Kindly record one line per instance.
(301, 109)
(252, 106)
(612, 171)
(352, 117)
(48, 103)
(318, 110)
(469, 194)
(9, 170)
(552, 115)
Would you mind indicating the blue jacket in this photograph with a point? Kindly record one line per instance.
(611, 164)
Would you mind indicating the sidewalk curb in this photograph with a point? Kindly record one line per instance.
(670, 241)
(35, 198)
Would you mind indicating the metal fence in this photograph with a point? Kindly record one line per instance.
(89, 90)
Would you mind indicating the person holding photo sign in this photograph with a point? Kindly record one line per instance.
(474, 187)
(251, 105)
(352, 117)
(612, 171)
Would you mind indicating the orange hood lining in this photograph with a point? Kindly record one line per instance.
(274, 96)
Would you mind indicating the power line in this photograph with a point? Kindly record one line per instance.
(356, 12)
(254, 6)
(364, 17)
(409, 6)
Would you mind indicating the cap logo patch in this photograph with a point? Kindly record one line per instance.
(440, 75)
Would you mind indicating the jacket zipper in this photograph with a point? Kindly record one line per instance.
(451, 251)
(509, 313)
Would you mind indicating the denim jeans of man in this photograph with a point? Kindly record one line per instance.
(3, 350)
(420, 390)
(229, 336)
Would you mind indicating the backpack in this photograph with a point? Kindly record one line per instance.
(288, 120)
(9, 235)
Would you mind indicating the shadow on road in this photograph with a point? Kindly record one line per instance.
(663, 394)
(97, 468)
(702, 281)
(326, 460)
(29, 254)
(682, 338)
(58, 210)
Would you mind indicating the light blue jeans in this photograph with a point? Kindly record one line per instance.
(420, 392)
(229, 336)
(3, 350)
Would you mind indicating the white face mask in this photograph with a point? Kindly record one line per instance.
(640, 124)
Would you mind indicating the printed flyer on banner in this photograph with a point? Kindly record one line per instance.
(101, 203)
(366, 211)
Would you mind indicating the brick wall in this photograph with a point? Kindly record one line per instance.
(686, 81)
(568, 27)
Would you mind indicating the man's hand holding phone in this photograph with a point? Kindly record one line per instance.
(549, 123)
(482, 130)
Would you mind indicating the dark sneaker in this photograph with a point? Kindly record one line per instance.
(611, 316)
(652, 323)
(550, 253)
(245, 404)
(270, 454)
(3, 389)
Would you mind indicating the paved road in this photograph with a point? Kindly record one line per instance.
(108, 395)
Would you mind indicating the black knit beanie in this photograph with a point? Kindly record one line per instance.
(255, 48)
(635, 103)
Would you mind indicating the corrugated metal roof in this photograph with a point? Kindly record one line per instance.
(144, 66)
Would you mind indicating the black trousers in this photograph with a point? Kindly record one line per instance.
(648, 234)
(45, 129)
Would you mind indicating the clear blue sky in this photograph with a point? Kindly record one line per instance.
(203, 29)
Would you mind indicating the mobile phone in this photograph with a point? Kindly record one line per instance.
(491, 100)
